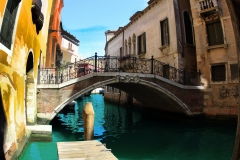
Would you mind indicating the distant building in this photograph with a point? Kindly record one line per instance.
(23, 38)
(69, 47)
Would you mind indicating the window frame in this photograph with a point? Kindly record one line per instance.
(186, 25)
(14, 18)
(141, 39)
(225, 73)
(164, 30)
(209, 38)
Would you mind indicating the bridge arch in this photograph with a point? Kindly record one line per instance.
(125, 81)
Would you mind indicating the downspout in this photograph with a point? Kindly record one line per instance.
(123, 43)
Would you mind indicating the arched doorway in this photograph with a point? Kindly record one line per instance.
(30, 92)
(2, 127)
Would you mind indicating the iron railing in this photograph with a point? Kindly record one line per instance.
(116, 64)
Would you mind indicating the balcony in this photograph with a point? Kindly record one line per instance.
(209, 6)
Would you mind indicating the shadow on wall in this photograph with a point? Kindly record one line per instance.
(2, 127)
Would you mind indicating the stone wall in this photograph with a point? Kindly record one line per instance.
(219, 96)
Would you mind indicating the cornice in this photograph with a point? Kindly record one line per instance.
(135, 17)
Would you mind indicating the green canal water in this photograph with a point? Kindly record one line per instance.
(136, 133)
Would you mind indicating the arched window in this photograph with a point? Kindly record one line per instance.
(188, 28)
(134, 43)
(8, 23)
(126, 48)
(129, 46)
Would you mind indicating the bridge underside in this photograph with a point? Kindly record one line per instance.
(151, 97)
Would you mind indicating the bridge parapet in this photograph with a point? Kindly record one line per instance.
(154, 91)
(117, 64)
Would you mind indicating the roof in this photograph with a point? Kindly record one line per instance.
(65, 34)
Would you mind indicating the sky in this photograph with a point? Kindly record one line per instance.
(89, 20)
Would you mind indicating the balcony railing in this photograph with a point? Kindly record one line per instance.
(208, 5)
(117, 64)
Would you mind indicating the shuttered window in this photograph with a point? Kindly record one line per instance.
(164, 32)
(142, 43)
(234, 71)
(218, 73)
(215, 33)
(8, 23)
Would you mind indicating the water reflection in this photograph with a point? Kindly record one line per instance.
(135, 133)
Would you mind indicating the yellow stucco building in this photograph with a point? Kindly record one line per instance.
(23, 37)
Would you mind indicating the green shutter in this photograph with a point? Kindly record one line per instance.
(139, 44)
(144, 42)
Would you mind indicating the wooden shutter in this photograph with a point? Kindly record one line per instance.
(144, 42)
(215, 33)
(139, 44)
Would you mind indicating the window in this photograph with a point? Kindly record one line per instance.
(188, 28)
(164, 32)
(126, 47)
(121, 52)
(142, 43)
(234, 71)
(214, 32)
(218, 73)
(8, 23)
(129, 46)
(134, 43)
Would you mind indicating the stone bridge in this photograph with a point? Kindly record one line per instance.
(152, 90)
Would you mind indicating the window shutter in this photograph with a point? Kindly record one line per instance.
(144, 42)
(139, 44)
(215, 33)
(219, 33)
(167, 32)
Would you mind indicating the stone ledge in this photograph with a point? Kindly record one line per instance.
(40, 129)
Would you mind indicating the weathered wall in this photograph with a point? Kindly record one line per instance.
(220, 97)
(13, 71)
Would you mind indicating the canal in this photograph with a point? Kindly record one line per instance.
(136, 133)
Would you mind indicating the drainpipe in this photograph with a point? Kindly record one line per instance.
(123, 49)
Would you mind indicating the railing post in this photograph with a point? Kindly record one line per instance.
(95, 62)
(56, 75)
(152, 59)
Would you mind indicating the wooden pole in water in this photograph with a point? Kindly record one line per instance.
(88, 121)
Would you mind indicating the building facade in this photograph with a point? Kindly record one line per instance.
(69, 47)
(54, 54)
(216, 56)
(23, 37)
(163, 30)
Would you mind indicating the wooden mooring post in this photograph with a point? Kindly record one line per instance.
(88, 121)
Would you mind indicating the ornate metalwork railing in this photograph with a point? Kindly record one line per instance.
(116, 64)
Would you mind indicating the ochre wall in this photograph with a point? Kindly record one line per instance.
(13, 70)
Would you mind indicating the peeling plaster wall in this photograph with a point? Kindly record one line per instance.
(13, 71)
(220, 97)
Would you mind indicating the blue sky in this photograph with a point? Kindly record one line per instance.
(88, 20)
